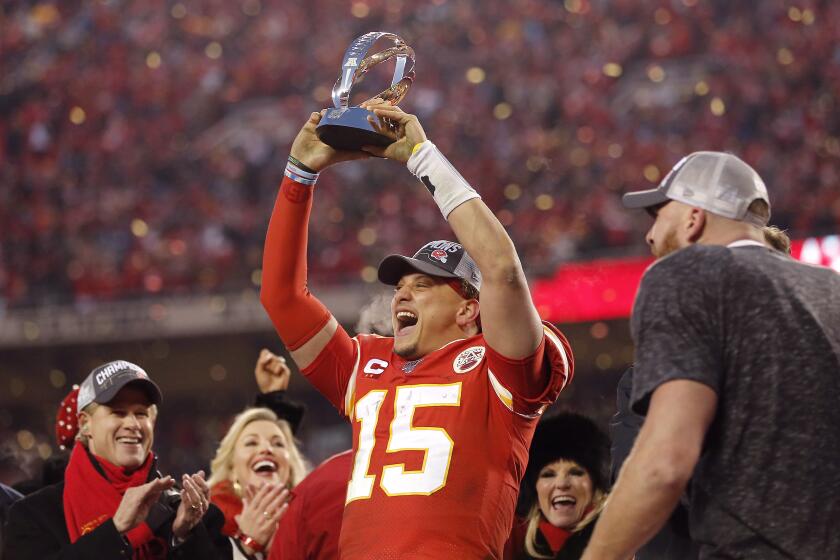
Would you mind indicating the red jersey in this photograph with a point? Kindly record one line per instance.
(440, 443)
(310, 527)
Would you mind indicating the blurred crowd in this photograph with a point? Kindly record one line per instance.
(141, 143)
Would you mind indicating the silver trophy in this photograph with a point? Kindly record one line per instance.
(347, 128)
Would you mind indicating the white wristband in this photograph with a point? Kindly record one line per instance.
(448, 187)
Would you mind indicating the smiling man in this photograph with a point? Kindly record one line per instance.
(113, 503)
(444, 411)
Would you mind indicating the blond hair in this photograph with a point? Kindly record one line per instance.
(599, 499)
(777, 238)
(221, 467)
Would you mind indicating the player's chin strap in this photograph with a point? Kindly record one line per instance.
(447, 186)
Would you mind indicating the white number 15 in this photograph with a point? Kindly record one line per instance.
(434, 442)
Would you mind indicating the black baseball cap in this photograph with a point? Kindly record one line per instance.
(442, 258)
(104, 382)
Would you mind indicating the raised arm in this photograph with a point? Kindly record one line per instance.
(509, 320)
(303, 323)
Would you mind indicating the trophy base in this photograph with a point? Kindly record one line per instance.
(349, 129)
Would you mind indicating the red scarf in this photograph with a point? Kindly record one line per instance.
(90, 499)
(224, 497)
(556, 537)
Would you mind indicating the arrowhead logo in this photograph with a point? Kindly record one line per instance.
(468, 360)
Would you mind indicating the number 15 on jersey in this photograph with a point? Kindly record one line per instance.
(435, 443)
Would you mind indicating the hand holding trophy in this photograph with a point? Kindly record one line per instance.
(350, 128)
(403, 129)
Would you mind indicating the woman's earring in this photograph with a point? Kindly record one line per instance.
(237, 487)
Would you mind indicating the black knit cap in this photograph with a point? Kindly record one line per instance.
(566, 436)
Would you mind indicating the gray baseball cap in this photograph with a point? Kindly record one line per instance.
(718, 182)
(104, 382)
(442, 258)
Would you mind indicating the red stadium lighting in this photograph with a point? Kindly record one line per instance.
(605, 289)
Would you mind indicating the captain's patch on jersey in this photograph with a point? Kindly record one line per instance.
(468, 359)
(375, 367)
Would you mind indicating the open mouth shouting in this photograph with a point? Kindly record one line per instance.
(406, 322)
(265, 467)
(563, 504)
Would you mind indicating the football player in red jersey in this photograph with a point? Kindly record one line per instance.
(444, 411)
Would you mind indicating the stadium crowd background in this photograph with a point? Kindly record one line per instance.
(141, 143)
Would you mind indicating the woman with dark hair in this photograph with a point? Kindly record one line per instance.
(563, 491)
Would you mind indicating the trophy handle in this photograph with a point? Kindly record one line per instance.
(355, 65)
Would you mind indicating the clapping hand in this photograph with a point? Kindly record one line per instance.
(138, 501)
(262, 508)
(195, 500)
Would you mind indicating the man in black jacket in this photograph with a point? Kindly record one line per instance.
(113, 503)
(673, 541)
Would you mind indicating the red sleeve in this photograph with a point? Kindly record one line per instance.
(333, 371)
(310, 529)
(287, 539)
(529, 384)
(297, 315)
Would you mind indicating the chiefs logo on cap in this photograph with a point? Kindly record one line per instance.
(439, 255)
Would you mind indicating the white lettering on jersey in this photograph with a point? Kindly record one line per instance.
(375, 366)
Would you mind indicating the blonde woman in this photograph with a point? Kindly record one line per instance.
(256, 465)
(564, 489)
